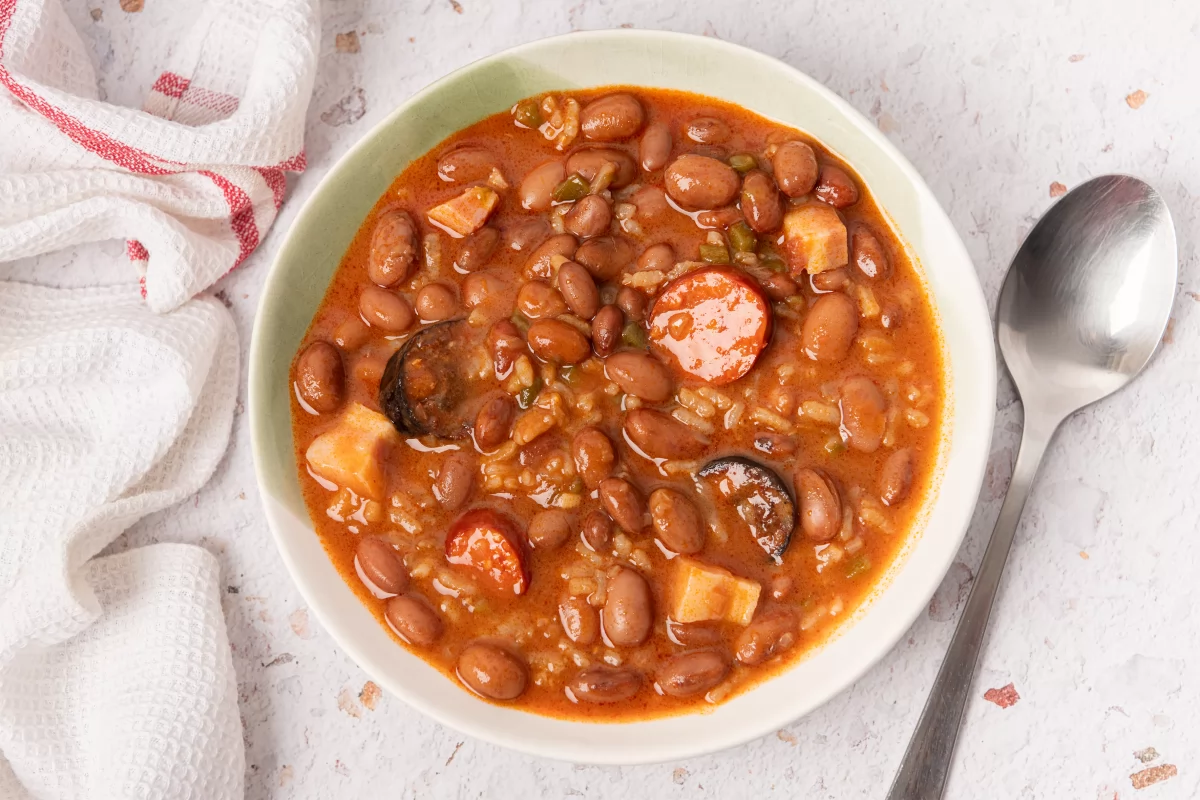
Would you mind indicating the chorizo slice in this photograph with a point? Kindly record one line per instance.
(427, 386)
(489, 543)
(759, 496)
(712, 324)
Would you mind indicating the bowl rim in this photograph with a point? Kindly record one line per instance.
(569, 749)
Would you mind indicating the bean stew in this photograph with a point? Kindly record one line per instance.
(619, 403)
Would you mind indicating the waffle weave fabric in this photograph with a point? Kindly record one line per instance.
(116, 679)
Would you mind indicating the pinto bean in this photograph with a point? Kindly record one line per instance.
(639, 374)
(707, 130)
(321, 377)
(835, 187)
(796, 168)
(413, 619)
(477, 249)
(831, 280)
(699, 182)
(466, 164)
(628, 609)
(661, 436)
(368, 368)
(677, 523)
(719, 217)
(693, 634)
(652, 207)
(775, 444)
(761, 205)
(555, 340)
(654, 149)
(453, 484)
(606, 330)
(549, 528)
(868, 254)
(393, 248)
(779, 286)
(588, 161)
(863, 413)
(538, 300)
(351, 334)
(659, 256)
(536, 191)
(387, 311)
(820, 504)
(539, 262)
(380, 566)
(589, 217)
(493, 670)
(770, 634)
(895, 479)
(526, 234)
(632, 302)
(603, 684)
(594, 456)
(578, 290)
(494, 422)
(624, 504)
(692, 673)
(506, 344)
(436, 301)
(829, 328)
(596, 530)
(479, 286)
(580, 622)
(605, 256)
(610, 118)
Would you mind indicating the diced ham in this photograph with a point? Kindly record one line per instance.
(465, 214)
(352, 453)
(704, 592)
(815, 239)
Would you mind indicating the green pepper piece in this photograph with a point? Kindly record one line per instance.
(769, 257)
(742, 162)
(714, 254)
(773, 263)
(529, 393)
(860, 564)
(835, 446)
(528, 114)
(521, 321)
(576, 486)
(632, 335)
(573, 188)
(742, 238)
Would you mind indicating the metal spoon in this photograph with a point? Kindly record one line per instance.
(1083, 308)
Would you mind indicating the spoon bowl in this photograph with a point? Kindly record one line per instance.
(1083, 308)
(1088, 295)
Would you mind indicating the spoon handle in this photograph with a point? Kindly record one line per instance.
(926, 763)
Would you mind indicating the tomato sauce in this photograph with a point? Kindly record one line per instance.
(756, 394)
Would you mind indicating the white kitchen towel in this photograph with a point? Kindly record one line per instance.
(115, 673)
(109, 412)
(192, 181)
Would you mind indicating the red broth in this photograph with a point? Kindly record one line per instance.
(612, 436)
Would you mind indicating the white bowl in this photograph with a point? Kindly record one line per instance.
(323, 230)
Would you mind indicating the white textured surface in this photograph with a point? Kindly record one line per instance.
(993, 102)
(116, 676)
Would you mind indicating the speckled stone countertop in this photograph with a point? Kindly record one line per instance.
(1088, 685)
